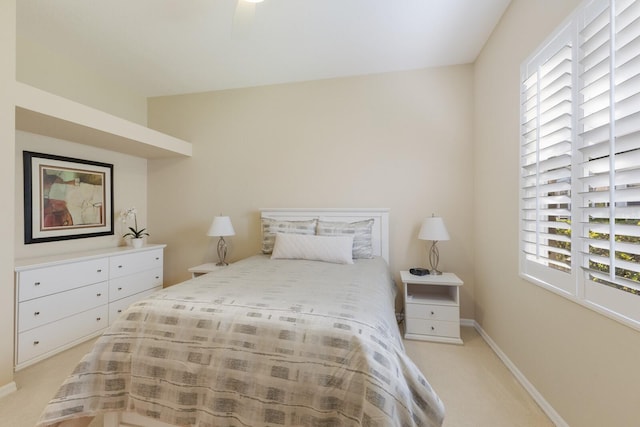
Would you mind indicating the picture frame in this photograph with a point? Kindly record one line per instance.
(66, 198)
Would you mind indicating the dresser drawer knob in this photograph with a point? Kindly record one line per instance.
(120, 311)
(119, 289)
(36, 342)
(157, 258)
(433, 328)
(99, 270)
(119, 266)
(37, 313)
(99, 295)
(432, 312)
(98, 319)
(157, 277)
(37, 284)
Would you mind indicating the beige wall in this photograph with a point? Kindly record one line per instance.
(400, 140)
(584, 364)
(130, 189)
(7, 167)
(41, 68)
(129, 184)
(59, 76)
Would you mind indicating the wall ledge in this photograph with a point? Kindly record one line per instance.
(47, 114)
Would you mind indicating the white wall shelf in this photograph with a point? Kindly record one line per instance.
(47, 114)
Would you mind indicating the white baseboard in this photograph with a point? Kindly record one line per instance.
(535, 394)
(468, 322)
(8, 389)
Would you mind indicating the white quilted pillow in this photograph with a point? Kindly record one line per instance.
(336, 249)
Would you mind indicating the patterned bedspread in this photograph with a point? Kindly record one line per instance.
(260, 343)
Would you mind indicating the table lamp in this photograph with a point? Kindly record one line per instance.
(433, 229)
(221, 227)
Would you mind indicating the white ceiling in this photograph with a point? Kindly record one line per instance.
(164, 47)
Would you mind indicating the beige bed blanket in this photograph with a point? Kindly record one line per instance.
(260, 343)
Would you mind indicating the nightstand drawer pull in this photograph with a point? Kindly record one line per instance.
(37, 313)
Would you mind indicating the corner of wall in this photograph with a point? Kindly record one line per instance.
(7, 168)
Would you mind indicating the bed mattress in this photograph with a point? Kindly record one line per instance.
(260, 343)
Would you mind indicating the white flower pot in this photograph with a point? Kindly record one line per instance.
(137, 243)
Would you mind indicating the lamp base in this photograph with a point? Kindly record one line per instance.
(434, 258)
(222, 252)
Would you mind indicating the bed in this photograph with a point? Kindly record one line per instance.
(299, 335)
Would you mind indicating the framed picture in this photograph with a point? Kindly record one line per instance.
(66, 198)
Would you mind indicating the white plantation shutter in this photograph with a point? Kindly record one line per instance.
(580, 160)
(610, 143)
(546, 155)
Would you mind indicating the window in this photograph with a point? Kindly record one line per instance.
(580, 160)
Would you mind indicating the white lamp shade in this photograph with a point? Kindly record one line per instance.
(433, 229)
(221, 226)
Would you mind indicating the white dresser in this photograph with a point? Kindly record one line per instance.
(64, 300)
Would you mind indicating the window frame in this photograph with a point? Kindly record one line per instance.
(573, 285)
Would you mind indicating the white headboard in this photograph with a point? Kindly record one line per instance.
(380, 232)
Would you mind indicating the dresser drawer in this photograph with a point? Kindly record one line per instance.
(433, 327)
(433, 312)
(44, 281)
(132, 284)
(118, 307)
(38, 341)
(40, 311)
(122, 265)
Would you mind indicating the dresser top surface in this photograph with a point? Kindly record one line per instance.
(29, 263)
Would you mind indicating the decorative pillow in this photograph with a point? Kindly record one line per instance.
(361, 232)
(272, 226)
(336, 249)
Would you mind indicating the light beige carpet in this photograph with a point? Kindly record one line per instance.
(476, 387)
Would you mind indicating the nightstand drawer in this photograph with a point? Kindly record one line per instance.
(433, 312)
(435, 328)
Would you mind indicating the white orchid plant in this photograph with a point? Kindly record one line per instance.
(125, 215)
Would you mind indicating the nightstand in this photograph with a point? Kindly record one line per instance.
(432, 307)
(201, 269)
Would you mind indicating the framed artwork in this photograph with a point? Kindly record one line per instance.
(66, 198)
